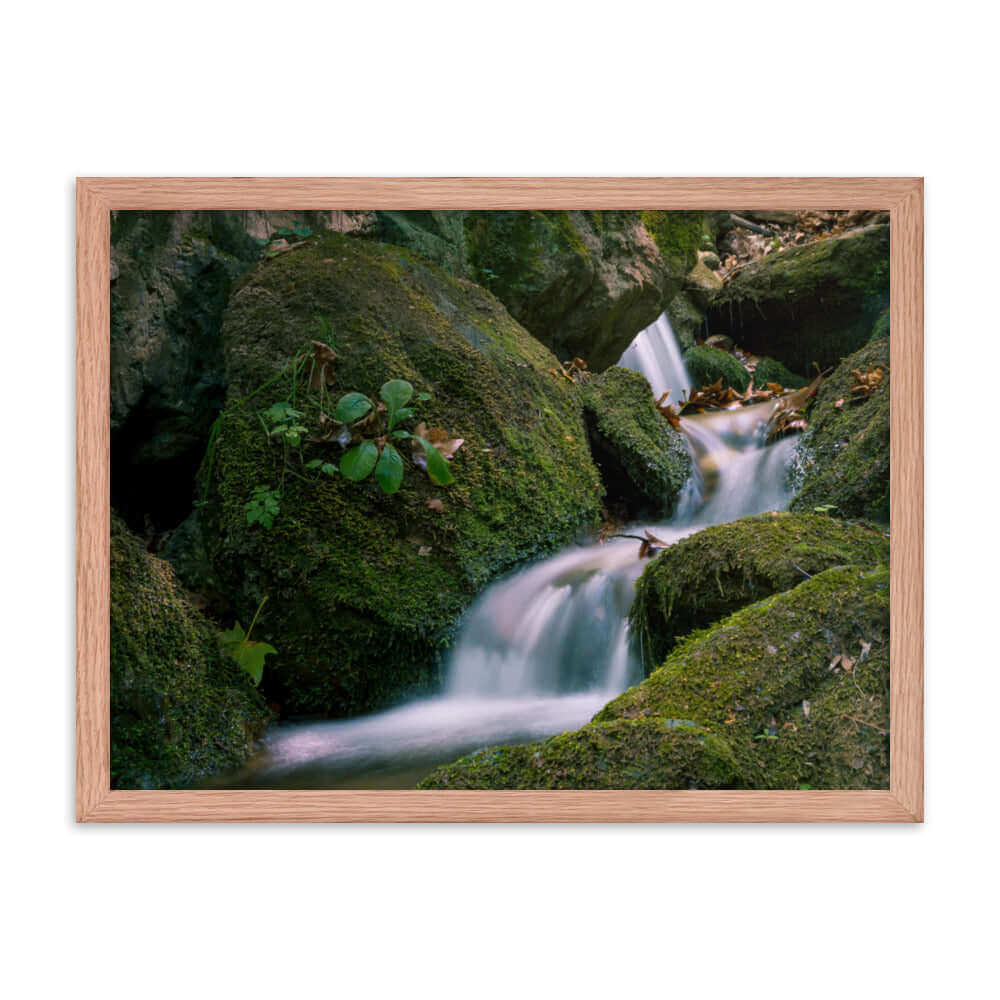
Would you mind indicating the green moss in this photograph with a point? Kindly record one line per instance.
(811, 304)
(764, 661)
(678, 236)
(707, 365)
(623, 753)
(844, 456)
(644, 462)
(358, 615)
(880, 331)
(710, 574)
(179, 710)
(769, 370)
(750, 703)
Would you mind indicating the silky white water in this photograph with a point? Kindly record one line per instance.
(546, 647)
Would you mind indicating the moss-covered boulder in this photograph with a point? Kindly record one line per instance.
(179, 709)
(365, 588)
(714, 572)
(584, 283)
(706, 365)
(814, 303)
(790, 692)
(686, 320)
(844, 455)
(769, 370)
(437, 236)
(644, 462)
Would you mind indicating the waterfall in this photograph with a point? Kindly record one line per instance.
(655, 353)
(543, 649)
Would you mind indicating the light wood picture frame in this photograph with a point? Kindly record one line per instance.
(98, 197)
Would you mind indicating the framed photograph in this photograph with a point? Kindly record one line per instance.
(500, 500)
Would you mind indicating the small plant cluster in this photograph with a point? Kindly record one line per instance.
(371, 431)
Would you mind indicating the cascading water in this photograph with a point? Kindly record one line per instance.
(656, 354)
(542, 650)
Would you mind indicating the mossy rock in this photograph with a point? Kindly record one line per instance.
(583, 283)
(437, 236)
(711, 574)
(644, 462)
(678, 235)
(769, 370)
(880, 331)
(706, 365)
(810, 304)
(843, 457)
(751, 703)
(366, 589)
(686, 320)
(179, 709)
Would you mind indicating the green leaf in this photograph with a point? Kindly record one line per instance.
(328, 468)
(396, 393)
(314, 464)
(282, 412)
(402, 435)
(404, 414)
(423, 396)
(250, 656)
(437, 466)
(352, 407)
(359, 461)
(389, 471)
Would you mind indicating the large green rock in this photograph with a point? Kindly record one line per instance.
(789, 692)
(810, 304)
(584, 283)
(179, 709)
(366, 589)
(644, 462)
(844, 455)
(714, 572)
(706, 365)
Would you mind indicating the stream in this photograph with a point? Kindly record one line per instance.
(543, 649)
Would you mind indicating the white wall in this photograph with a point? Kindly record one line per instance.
(515, 88)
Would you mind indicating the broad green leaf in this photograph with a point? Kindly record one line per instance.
(389, 471)
(437, 467)
(423, 396)
(352, 407)
(250, 657)
(314, 464)
(329, 469)
(404, 414)
(401, 435)
(359, 461)
(396, 393)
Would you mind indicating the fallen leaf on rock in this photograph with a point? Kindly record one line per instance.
(866, 648)
(834, 663)
(806, 708)
(424, 550)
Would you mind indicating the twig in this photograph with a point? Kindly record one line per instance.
(747, 224)
(808, 576)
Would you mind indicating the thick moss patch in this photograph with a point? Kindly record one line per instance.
(760, 700)
(366, 589)
(179, 710)
(844, 456)
(706, 365)
(769, 370)
(710, 574)
(644, 462)
(809, 304)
